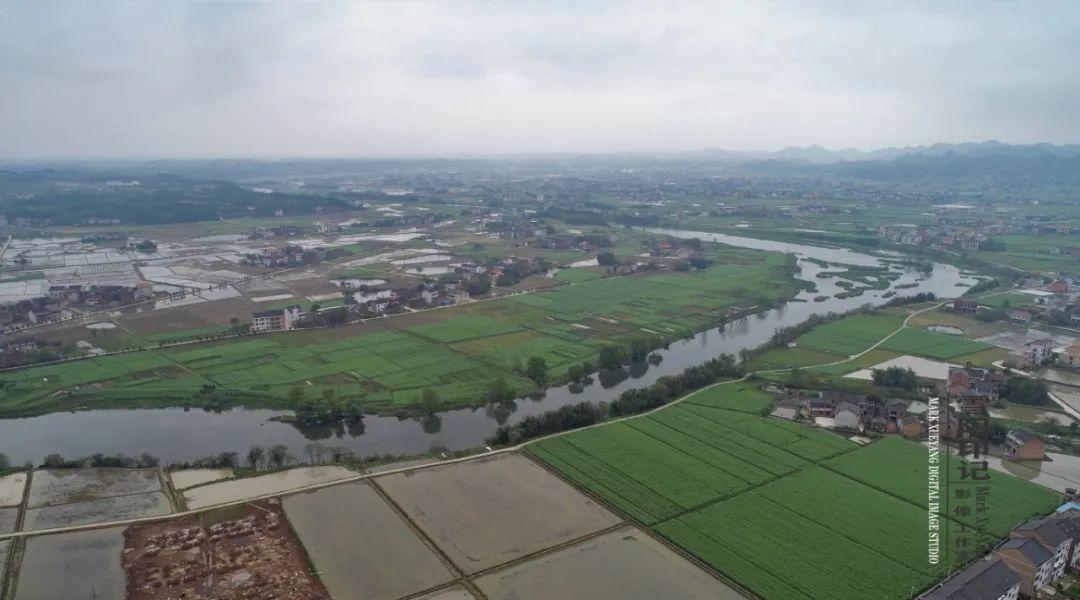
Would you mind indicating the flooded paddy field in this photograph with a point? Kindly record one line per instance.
(625, 563)
(456, 592)
(182, 480)
(8, 519)
(262, 485)
(240, 552)
(360, 546)
(5, 546)
(82, 564)
(100, 510)
(1059, 472)
(923, 367)
(11, 489)
(483, 513)
(64, 486)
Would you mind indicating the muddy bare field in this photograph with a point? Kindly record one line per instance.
(237, 553)
(625, 563)
(359, 545)
(484, 513)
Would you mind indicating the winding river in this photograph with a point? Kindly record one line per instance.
(181, 435)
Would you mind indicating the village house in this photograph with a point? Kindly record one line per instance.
(1020, 316)
(1055, 541)
(973, 388)
(847, 415)
(1070, 357)
(1067, 519)
(144, 290)
(961, 305)
(987, 579)
(949, 425)
(896, 408)
(820, 407)
(1021, 445)
(1059, 286)
(910, 426)
(1036, 353)
(276, 320)
(1031, 562)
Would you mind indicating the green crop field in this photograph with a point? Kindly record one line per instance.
(577, 275)
(1008, 300)
(464, 327)
(785, 510)
(849, 335)
(685, 456)
(898, 467)
(788, 358)
(457, 352)
(779, 554)
(738, 397)
(932, 345)
(1033, 253)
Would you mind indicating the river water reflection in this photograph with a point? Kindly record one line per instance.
(179, 435)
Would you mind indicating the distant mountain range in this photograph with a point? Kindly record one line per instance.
(821, 155)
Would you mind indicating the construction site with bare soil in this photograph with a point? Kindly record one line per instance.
(243, 553)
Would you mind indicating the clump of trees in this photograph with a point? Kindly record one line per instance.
(144, 461)
(500, 391)
(324, 409)
(895, 377)
(1025, 390)
(537, 370)
(146, 246)
(785, 335)
(916, 299)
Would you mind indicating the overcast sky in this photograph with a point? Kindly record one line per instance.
(211, 79)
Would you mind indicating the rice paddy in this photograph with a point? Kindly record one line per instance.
(784, 510)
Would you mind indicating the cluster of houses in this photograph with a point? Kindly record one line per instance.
(290, 256)
(61, 302)
(947, 237)
(846, 410)
(972, 234)
(1028, 564)
(975, 389)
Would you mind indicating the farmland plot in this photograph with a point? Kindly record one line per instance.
(849, 335)
(898, 467)
(780, 555)
(881, 522)
(596, 568)
(686, 480)
(935, 345)
(742, 398)
(487, 512)
(624, 492)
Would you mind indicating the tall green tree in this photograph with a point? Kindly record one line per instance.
(537, 370)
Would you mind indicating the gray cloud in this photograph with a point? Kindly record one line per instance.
(376, 79)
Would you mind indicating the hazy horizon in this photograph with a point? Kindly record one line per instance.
(209, 80)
